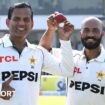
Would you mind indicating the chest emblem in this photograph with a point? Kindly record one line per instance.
(100, 75)
(32, 61)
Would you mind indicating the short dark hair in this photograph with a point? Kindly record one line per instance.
(19, 5)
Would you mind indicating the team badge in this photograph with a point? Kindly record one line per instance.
(100, 75)
(32, 61)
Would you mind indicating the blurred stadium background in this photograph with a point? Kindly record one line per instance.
(76, 11)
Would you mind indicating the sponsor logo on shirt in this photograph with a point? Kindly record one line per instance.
(8, 59)
(20, 75)
(84, 86)
(77, 70)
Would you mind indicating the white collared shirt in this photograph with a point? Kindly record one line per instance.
(26, 68)
(87, 87)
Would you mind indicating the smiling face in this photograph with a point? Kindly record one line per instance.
(91, 33)
(20, 23)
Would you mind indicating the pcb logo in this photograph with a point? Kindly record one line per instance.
(32, 61)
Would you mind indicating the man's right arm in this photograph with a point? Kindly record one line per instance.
(65, 34)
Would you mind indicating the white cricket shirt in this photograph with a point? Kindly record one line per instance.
(26, 68)
(87, 86)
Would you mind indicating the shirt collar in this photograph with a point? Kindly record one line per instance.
(100, 58)
(7, 42)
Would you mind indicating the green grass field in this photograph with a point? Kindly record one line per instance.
(52, 100)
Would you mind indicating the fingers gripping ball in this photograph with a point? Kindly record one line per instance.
(59, 17)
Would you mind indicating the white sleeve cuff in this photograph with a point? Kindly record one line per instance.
(65, 43)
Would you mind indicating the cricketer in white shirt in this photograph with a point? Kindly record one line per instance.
(87, 85)
(26, 68)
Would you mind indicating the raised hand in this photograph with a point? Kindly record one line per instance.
(54, 20)
(66, 31)
(7, 89)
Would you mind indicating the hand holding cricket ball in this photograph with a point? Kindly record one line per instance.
(54, 21)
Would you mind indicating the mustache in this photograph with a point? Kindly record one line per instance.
(90, 38)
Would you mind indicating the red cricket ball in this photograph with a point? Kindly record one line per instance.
(59, 17)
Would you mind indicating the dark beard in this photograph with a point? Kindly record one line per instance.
(91, 45)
